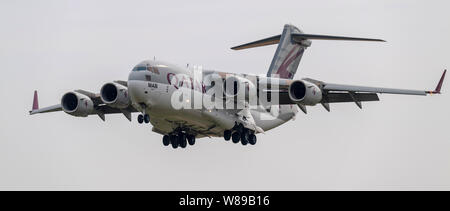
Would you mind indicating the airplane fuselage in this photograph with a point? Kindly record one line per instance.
(151, 87)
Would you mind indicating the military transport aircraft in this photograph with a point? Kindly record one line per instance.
(153, 90)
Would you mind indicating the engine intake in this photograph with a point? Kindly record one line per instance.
(115, 95)
(77, 104)
(305, 93)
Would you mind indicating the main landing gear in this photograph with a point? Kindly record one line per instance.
(240, 133)
(143, 118)
(178, 138)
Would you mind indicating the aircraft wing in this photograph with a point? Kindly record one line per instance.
(53, 108)
(330, 87)
(100, 108)
(340, 93)
(336, 93)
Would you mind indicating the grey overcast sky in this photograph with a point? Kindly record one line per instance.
(399, 143)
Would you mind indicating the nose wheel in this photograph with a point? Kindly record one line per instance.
(143, 118)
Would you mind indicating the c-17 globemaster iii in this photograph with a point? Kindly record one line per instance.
(184, 103)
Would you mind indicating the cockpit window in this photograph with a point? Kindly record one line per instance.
(140, 68)
(146, 68)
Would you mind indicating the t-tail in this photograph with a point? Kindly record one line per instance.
(292, 43)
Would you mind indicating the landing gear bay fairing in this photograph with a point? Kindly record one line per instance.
(184, 104)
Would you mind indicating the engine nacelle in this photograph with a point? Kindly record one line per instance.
(115, 95)
(305, 93)
(77, 104)
(234, 85)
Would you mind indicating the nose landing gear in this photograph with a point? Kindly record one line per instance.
(143, 118)
(140, 118)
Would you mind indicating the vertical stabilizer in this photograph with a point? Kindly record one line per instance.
(288, 55)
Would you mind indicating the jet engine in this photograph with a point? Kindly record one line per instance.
(115, 95)
(77, 104)
(305, 93)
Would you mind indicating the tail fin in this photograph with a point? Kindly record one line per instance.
(292, 44)
(288, 55)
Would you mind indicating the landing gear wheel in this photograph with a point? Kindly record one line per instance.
(174, 144)
(166, 140)
(235, 137)
(182, 140)
(227, 135)
(244, 139)
(252, 139)
(174, 141)
(146, 118)
(191, 139)
(140, 118)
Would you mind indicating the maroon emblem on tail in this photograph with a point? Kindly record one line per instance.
(282, 71)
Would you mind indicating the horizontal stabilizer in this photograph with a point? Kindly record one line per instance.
(298, 38)
(267, 41)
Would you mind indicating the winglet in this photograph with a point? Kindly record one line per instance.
(439, 85)
(35, 101)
